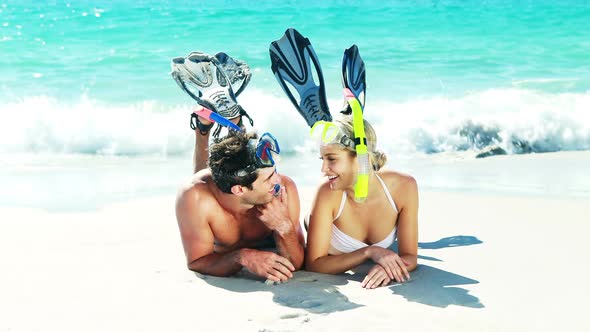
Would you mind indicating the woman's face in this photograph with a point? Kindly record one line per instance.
(338, 165)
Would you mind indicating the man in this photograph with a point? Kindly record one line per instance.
(233, 207)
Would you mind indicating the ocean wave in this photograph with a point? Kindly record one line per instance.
(45, 125)
(515, 121)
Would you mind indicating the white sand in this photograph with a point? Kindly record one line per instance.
(487, 264)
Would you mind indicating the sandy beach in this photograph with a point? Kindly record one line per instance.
(95, 141)
(486, 263)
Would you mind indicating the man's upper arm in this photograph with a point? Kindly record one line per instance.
(195, 232)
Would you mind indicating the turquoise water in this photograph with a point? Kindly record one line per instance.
(447, 75)
(91, 78)
(119, 51)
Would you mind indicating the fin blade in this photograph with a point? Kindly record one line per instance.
(292, 57)
(237, 71)
(202, 77)
(354, 76)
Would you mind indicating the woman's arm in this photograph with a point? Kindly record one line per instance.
(407, 229)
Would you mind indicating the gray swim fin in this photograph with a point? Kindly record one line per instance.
(201, 76)
(237, 71)
(292, 57)
(353, 76)
(210, 80)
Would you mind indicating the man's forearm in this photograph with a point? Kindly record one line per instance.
(216, 264)
(289, 246)
(201, 153)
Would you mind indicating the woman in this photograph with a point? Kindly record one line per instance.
(344, 233)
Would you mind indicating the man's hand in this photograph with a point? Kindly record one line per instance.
(376, 277)
(275, 215)
(267, 265)
(394, 266)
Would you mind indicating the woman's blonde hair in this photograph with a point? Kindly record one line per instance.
(377, 158)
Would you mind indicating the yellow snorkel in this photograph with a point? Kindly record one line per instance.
(361, 187)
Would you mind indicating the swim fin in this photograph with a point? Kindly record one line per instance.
(210, 80)
(204, 78)
(353, 77)
(291, 58)
(237, 71)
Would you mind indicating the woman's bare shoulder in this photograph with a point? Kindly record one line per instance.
(399, 178)
(400, 184)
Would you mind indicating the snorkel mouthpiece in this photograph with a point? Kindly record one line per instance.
(361, 187)
(277, 190)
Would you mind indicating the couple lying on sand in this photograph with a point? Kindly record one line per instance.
(237, 203)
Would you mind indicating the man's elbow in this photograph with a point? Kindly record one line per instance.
(298, 264)
(199, 268)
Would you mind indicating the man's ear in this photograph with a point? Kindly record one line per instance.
(237, 190)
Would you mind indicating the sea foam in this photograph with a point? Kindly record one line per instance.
(516, 120)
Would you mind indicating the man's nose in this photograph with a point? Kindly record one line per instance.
(277, 177)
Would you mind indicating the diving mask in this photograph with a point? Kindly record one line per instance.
(266, 152)
(330, 133)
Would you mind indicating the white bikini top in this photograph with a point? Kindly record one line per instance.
(344, 243)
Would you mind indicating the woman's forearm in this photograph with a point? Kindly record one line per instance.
(338, 263)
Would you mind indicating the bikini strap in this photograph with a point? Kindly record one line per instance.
(388, 194)
(341, 205)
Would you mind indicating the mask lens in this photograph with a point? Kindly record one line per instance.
(330, 134)
(267, 149)
(326, 132)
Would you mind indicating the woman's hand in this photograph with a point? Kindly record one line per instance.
(376, 277)
(394, 266)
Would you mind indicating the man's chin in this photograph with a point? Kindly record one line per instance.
(265, 200)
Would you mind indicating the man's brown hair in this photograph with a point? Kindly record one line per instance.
(229, 155)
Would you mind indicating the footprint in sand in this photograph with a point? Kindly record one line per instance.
(290, 316)
(307, 279)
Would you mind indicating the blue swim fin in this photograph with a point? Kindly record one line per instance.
(292, 57)
(353, 76)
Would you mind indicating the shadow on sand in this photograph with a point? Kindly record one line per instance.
(314, 292)
(430, 286)
(451, 241)
(318, 293)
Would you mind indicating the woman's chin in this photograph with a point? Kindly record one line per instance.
(333, 183)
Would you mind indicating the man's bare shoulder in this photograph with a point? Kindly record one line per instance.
(197, 184)
(196, 195)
